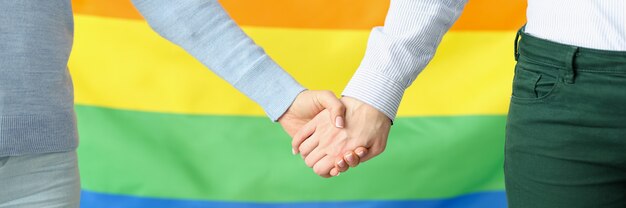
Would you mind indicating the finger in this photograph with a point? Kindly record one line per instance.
(305, 132)
(315, 156)
(351, 158)
(323, 167)
(334, 172)
(329, 101)
(366, 154)
(308, 146)
(341, 165)
(361, 152)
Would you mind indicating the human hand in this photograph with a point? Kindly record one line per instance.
(307, 105)
(364, 137)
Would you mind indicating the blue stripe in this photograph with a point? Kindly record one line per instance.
(91, 199)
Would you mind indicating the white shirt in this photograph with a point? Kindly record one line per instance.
(598, 24)
(397, 52)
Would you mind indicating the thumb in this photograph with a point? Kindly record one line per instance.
(337, 110)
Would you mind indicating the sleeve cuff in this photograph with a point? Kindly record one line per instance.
(270, 86)
(377, 90)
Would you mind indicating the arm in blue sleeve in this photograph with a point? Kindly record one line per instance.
(206, 31)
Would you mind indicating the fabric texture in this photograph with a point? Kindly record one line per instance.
(397, 52)
(206, 31)
(48, 180)
(401, 49)
(36, 94)
(584, 23)
(566, 128)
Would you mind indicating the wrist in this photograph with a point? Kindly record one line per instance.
(376, 89)
(355, 105)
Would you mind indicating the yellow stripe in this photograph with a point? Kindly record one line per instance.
(123, 64)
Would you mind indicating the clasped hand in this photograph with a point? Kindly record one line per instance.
(333, 134)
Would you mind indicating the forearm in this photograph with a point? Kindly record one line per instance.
(398, 51)
(205, 31)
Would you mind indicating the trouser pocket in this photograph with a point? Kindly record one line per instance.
(569, 148)
(534, 82)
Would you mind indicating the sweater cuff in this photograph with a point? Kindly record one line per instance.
(377, 90)
(269, 86)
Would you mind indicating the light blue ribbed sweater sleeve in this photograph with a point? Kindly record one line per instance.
(207, 32)
(397, 52)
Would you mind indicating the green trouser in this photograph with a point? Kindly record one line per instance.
(566, 128)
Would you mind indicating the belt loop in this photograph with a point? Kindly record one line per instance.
(516, 45)
(570, 73)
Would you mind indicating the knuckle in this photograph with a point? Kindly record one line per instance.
(309, 162)
(328, 94)
(383, 147)
(305, 154)
(378, 150)
(319, 171)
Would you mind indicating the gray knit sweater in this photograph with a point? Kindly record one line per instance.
(36, 95)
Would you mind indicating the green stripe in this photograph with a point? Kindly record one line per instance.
(236, 158)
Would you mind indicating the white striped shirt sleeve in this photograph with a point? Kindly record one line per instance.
(398, 51)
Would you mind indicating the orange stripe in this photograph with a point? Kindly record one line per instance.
(492, 15)
(331, 14)
(328, 14)
(106, 8)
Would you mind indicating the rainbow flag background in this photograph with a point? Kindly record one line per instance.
(160, 130)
